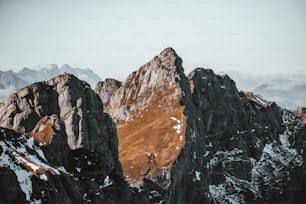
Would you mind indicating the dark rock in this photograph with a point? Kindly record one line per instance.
(10, 191)
(71, 152)
(240, 142)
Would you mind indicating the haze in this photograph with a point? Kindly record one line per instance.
(114, 38)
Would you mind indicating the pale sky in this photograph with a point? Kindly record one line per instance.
(116, 37)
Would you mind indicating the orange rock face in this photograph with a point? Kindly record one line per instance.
(149, 118)
(151, 142)
(43, 132)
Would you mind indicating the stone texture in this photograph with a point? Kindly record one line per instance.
(137, 92)
(239, 147)
(67, 97)
(105, 89)
(149, 119)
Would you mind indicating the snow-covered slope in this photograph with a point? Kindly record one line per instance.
(26, 159)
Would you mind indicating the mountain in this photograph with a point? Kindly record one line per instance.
(11, 81)
(197, 139)
(289, 98)
(287, 90)
(65, 150)
(161, 136)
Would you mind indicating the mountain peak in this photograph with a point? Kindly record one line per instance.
(166, 58)
(158, 75)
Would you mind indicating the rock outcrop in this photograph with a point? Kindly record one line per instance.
(239, 148)
(149, 119)
(70, 144)
(105, 89)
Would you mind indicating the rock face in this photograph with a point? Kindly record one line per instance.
(239, 148)
(67, 97)
(105, 89)
(149, 118)
(70, 147)
(236, 147)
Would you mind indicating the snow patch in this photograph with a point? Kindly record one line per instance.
(178, 126)
(16, 157)
(197, 176)
(107, 182)
(23, 176)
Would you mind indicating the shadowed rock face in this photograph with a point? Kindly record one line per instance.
(239, 147)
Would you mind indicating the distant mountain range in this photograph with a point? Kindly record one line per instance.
(287, 90)
(11, 81)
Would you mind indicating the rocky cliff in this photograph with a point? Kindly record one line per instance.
(65, 150)
(235, 147)
(105, 89)
(239, 148)
(149, 118)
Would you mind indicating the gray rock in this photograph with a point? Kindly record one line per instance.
(129, 99)
(105, 89)
(75, 150)
(67, 97)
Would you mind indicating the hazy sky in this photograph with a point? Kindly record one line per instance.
(115, 37)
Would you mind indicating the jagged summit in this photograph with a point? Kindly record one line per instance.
(150, 96)
(135, 93)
